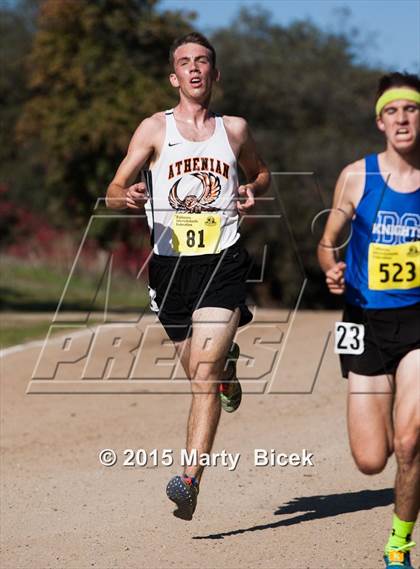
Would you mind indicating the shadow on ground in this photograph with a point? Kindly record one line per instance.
(318, 507)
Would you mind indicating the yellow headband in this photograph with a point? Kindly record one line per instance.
(395, 94)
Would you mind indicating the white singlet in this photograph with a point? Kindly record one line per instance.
(194, 194)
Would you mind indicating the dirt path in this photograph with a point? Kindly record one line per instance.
(61, 508)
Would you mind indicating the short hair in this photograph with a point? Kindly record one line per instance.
(397, 79)
(192, 37)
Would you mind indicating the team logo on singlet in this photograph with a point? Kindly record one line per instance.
(197, 203)
(390, 228)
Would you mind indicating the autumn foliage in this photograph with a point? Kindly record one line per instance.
(80, 76)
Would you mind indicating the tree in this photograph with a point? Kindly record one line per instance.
(20, 179)
(95, 71)
(310, 107)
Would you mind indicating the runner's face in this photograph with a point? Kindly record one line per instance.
(193, 71)
(400, 121)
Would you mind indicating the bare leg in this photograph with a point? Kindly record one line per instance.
(369, 417)
(183, 350)
(407, 437)
(210, 343)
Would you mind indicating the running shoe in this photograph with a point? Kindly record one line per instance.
(230, 389)
(399, 557)
(183, 490)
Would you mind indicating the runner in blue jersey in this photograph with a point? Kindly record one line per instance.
(379, 338)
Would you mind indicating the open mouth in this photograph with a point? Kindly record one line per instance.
(403, 135)
(196, 81)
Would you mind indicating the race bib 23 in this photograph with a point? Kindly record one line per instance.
(349, 338)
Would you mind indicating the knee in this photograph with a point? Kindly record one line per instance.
(407, 447)
(370, 463)
(370, 466)
(201, 371)
(204, 377)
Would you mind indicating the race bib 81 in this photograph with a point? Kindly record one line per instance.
(394, 266)
(196, 233)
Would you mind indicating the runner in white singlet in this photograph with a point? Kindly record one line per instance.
(198, 269)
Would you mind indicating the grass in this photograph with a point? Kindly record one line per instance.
(33, 287)
(17, 331)
(29, 288)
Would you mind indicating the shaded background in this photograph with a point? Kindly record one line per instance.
(77, 78)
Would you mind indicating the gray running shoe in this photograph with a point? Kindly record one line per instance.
(183, 490)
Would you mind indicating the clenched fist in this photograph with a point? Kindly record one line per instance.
(136, 196)
(335, 278)
(245, 192)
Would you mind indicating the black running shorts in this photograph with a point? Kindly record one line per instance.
(180, 285)
(389, 335)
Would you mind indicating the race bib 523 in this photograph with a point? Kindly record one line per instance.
(394, 266)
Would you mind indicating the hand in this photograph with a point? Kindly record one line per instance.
(244, 205)
(136, 196)
(335, 278)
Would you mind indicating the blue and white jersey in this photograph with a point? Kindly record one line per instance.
(383, 256)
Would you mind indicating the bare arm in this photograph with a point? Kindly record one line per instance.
(256, 172)
(122, 192)
(347, 194)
